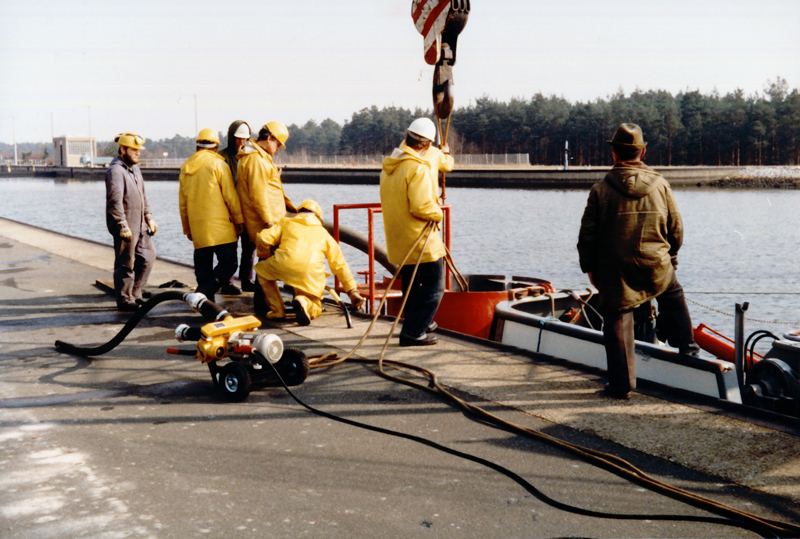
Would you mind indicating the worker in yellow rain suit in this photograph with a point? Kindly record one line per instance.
(409, 204)
(301, 245)
(210, 213)
(260, 189)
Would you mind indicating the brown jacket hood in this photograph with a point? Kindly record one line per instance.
(633, 179)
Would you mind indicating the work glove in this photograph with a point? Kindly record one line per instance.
(356, 299)
(445, 148)
(125, 232)
(151, 225)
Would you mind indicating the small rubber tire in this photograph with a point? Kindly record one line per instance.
(293, 367)
(234, 382)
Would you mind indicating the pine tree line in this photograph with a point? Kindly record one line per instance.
(689, 128)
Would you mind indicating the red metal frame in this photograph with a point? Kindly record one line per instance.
(373, 208)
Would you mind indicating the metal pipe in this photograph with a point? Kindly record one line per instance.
(354, 238)
(739, 343)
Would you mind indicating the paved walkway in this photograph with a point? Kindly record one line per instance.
(50, 399)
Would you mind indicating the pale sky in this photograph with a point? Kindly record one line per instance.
(105, 67)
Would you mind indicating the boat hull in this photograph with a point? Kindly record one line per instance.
(533, 324)
(473, 312)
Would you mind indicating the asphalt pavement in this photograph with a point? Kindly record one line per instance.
(138, 443)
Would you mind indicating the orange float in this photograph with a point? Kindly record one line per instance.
(717, 344)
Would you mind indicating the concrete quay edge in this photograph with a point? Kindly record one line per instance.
(499, 177)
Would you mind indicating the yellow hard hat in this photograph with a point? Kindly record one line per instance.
(208, 135)
(131, 140)
(278, 130)
(311, 206)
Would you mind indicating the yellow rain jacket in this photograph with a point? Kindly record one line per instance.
(440, 162)
(208, 201)
(260, 189)
(303, 245)
(409, 202)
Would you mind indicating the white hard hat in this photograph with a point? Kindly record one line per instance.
(424, 128)
(243, 131)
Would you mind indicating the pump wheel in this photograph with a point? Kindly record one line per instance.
(293, 367)
(234, 382)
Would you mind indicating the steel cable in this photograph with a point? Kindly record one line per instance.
(748, 319)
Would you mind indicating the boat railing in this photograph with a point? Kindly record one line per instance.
(372, 209)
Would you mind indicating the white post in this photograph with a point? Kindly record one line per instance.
(91, 146)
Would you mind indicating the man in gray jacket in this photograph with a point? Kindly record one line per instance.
(630, 235)
(130, 222)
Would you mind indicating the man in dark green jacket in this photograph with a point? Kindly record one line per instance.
(630, 235)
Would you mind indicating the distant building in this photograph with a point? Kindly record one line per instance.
(74, 151)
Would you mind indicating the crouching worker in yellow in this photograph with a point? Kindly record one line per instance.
(210, 213)
(301, 245)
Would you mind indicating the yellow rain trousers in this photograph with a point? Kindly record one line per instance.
(208, 201)
(274, 298)
(260, 189)
(409, 202)
(302, 247)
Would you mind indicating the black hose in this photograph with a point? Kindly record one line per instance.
(763, 530)
(209, 309)
(750, 348)
(346, 315)
(126, 329)
(360, 241)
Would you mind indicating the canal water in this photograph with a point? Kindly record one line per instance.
(741, 245)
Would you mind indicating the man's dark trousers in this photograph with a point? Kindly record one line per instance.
(674, 326)
(210, 278)
(424, 297)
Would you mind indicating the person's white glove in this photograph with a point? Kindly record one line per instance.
(151, 224)
(125, 232)
(356, 299)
